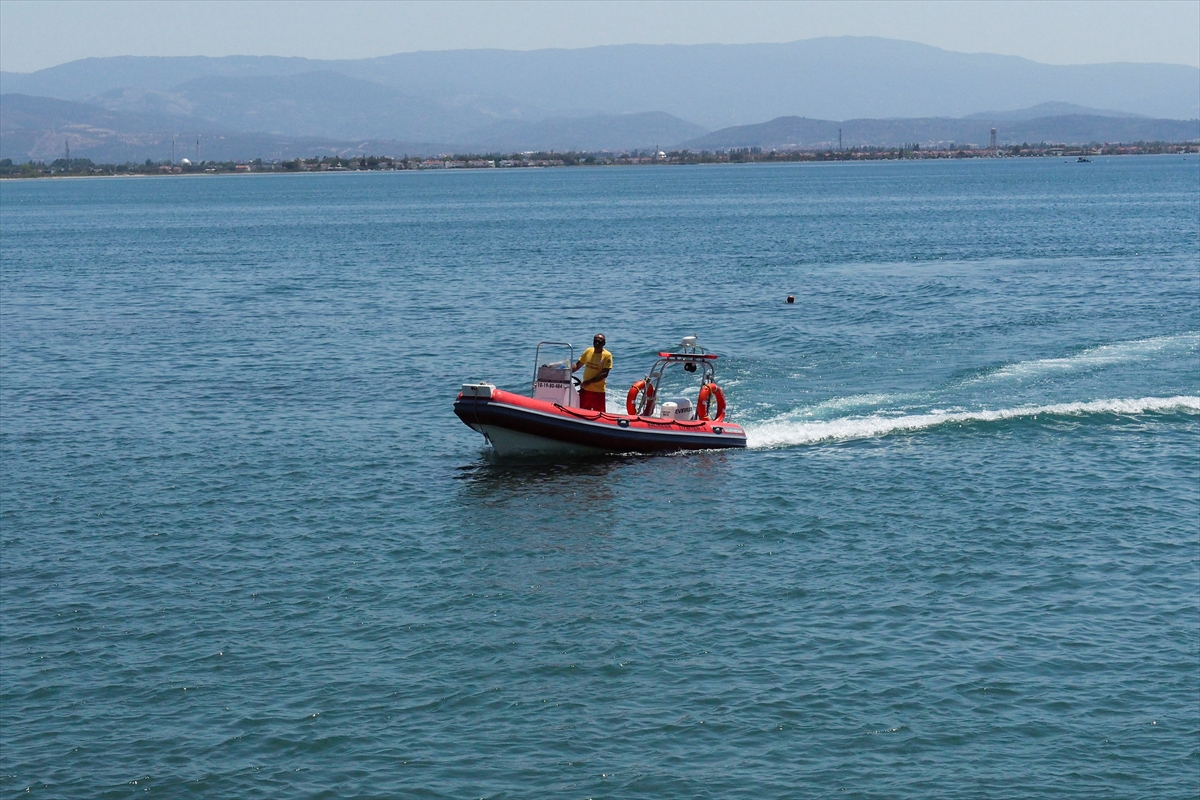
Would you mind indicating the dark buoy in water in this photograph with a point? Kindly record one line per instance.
(791, 298)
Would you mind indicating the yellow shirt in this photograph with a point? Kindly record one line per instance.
(593, 365)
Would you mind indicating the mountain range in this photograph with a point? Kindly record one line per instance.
(618, 97)
(1076, 126)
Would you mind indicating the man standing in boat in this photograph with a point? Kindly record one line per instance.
(597, 363)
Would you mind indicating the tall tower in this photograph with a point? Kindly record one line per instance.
(839, 140)
(992, 146)
(67, 144)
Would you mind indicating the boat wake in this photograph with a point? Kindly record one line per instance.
(1095, 358)
(787, 432)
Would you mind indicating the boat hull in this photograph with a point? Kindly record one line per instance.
(517, 425)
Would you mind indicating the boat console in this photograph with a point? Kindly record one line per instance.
(553, 381)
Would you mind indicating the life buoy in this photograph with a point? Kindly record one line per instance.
(707, 391)
(631, 399)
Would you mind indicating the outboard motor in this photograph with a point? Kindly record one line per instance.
(679, 408)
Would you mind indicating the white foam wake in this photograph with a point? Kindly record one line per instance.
(1095, 358)
(783, 432)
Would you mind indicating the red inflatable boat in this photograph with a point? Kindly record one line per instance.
(551, 422)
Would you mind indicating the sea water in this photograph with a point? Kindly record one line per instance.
(248, 550)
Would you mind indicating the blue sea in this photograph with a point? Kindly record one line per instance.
(248, 551)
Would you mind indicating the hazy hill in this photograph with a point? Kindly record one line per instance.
(593, 133)
(323, 104)
(782, 133)
(79, 80)
(328, 105)
(19, 111)
(144, 123)
(786, 133)
(141, 127)
(38, 128)
(709, 85)
(1042, 110)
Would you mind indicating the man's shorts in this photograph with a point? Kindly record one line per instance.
(592, 401)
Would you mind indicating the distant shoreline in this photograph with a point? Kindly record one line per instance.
(84, 168)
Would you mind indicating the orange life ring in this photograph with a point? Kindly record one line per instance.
(631, 399)
(706, 391)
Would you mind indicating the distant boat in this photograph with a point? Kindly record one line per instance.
(1083, 160)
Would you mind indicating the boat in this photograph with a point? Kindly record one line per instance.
(551, 422)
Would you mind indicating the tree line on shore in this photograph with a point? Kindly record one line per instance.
(85, 166)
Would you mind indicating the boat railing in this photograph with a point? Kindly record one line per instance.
(692, 356)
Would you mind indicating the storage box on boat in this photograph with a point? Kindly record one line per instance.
(477, 389)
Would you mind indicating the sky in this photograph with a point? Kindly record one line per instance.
(36, 35)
